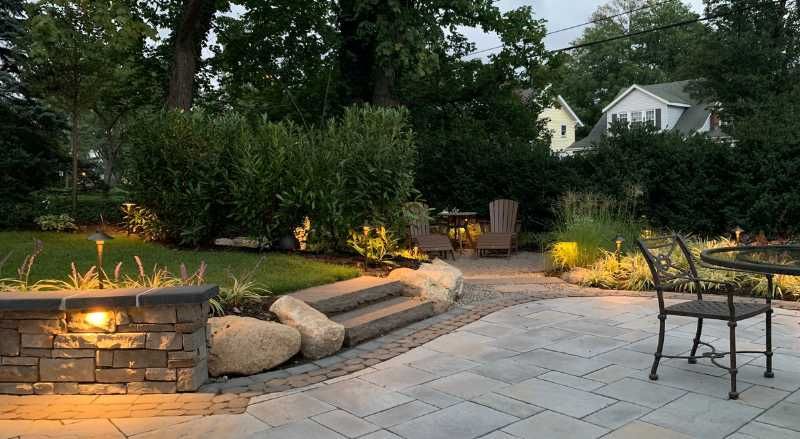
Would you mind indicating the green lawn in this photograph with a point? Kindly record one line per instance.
(280, 273)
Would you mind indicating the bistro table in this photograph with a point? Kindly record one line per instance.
(768, 260)
(457, 219)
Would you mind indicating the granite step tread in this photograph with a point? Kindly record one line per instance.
(349, 294)
(382, 317)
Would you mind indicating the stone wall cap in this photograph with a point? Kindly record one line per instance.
(119, 298)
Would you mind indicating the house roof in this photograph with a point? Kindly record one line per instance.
(527, 93)
(672, 93)
(565, 106)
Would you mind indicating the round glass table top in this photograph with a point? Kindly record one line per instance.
(778, 259)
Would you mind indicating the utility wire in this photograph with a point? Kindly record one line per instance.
(641, 32)
(575, 26)
(660, 28)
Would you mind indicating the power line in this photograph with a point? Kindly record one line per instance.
(597, 20)
(660, 28)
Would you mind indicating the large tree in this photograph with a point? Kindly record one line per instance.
(78, 48)
(751, 68)
(189, 32)
(594, 74)
(31, 132)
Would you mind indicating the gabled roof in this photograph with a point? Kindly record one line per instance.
(527, 93)
(694, 117)
(568, 109)
(670, 93)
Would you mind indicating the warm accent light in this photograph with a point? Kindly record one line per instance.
(98, 318)
(738, 232)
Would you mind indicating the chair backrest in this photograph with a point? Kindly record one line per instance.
(670, 261)
(418, 222)
(503, 216)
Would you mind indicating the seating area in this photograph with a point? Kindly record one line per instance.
(456, 229)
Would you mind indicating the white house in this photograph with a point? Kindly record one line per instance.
(562, 122)
(668, 106)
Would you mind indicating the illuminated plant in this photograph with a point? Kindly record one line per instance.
(373, 243)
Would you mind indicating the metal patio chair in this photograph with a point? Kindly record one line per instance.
(661, 254)
(421, 236)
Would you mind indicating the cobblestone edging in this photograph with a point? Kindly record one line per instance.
(233, 396)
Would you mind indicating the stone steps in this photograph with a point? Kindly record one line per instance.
(348, 295)
(381, 317)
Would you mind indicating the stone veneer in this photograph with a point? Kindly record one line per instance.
(118, 341)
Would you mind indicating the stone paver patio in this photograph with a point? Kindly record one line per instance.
(573, 367)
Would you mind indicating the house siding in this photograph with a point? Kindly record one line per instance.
(673, 114)
(555, 118)
(638, 101)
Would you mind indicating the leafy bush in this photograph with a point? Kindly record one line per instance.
(93, 208)
(203, 176)
(693, 184)
(143, 222)
(586, 227)
(58, 223)
(373, 243)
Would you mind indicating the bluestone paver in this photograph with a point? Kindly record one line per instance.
(553, 425)
(466, 420)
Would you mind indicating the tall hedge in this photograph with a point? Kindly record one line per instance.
(206, 176)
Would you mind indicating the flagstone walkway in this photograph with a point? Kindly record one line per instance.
(570, 367)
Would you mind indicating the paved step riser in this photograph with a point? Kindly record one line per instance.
(357, 334)
(348, 302)
(349, 295)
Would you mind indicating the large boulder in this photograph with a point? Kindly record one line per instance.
(438, 282)
(320, 336)
(246, 346)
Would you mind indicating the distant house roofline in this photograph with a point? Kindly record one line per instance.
(649, 93)
(569, 111)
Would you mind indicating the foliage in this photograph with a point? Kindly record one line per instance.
(242, 291)
(58, 223)
(31, 132)
(203, 175)
(78, 51)
(587, 226)
(94, 208)
(281, 273)
(693, 184)
(565, 255)
(373, 243)
(143, 222)
(593, 75)
(633, 273)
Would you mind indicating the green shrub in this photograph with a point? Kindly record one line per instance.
(93, 208)
(58, 223)
(203, 176)
(374, 244)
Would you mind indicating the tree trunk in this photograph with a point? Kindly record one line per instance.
(76, 148)
(188, 37)
(382, 93)
(356, 55)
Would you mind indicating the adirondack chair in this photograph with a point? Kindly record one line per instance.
(421, 236)
(502, 234)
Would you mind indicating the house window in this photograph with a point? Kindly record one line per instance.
(623, 118)
(636, 117)
(563, 131)
(650, 117)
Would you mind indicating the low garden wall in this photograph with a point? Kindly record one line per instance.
(104, 341)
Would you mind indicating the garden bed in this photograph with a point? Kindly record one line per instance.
(278, 272)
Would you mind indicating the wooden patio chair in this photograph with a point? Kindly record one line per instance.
(664, 255)
(502, 234)
(421, 236)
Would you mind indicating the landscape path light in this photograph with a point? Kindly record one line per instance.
(619, 240)
(100, 237)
